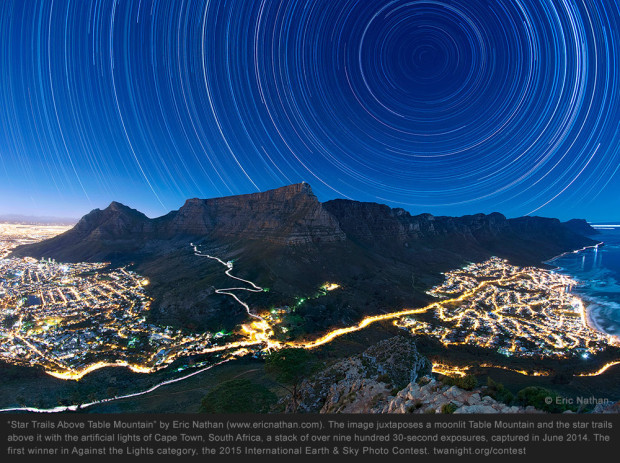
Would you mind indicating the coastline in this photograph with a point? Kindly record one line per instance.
(589, 306)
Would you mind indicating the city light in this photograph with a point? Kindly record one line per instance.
(72, 319)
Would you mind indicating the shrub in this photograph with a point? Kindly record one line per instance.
(538, 398)
(467, 382)
(448, 408)
(499, 392)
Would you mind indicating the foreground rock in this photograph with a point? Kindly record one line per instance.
(392, 377)
(432, 396)
(363, 383)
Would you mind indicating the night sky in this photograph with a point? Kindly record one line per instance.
(447, 107)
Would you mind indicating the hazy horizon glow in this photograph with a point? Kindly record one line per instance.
(446, 107)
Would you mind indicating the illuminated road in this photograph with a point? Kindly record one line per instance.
(602, 370)
(259, 331)
(111, 399)
(262, 332)
(229, 267)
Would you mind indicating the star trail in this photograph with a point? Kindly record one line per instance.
(449, 107)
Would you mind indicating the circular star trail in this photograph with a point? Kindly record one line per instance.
(449, 107)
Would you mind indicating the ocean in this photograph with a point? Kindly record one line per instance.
(598, 273)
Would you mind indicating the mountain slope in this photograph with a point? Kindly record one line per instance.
(288, 215)
(115, 231)
(288, 241)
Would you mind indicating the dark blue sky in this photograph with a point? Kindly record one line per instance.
(448, 107)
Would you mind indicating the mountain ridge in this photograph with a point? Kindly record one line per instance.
(286, 240)
(287, 215)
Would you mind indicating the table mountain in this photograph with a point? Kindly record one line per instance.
(288, 241)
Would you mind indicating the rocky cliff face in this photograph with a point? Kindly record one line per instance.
(287, 215)
(292, 215)
(371, 222)
(523, 240)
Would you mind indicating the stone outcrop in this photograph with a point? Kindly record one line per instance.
(362, 383)
(392, 377)
(432, 396)
(613, 407)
